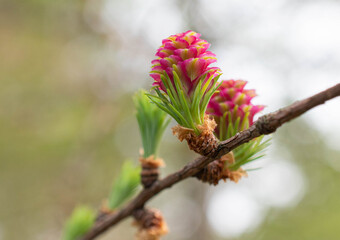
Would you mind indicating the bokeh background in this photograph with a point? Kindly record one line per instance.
(69, 69)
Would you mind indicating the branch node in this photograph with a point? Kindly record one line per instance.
(267, 124)
(150, 170)
(205, 143)
(151, 224)
(218, 170)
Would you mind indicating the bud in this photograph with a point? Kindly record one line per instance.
(79, 223)
(151, 224)
(150, 170)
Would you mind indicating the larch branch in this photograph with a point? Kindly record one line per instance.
(264, 125)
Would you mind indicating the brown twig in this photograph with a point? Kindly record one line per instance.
(264, 125)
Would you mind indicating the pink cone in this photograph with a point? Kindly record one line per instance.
(186, 53)
(231, 97)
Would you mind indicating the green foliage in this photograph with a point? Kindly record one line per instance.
(188, 111)
(125, 185)
(79, 223)
(152, 123)
(247, 152)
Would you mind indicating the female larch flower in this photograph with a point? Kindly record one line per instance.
(184, 82)
(186, 54)
(231, 104)
(233, 111)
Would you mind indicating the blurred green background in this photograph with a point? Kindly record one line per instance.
(67, 74)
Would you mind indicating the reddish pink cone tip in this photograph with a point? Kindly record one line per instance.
(232, 97)
(186, 53)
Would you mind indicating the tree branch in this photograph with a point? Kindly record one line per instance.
(264, 125)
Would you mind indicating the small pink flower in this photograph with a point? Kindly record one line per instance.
(231, 97)
(186, 54)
